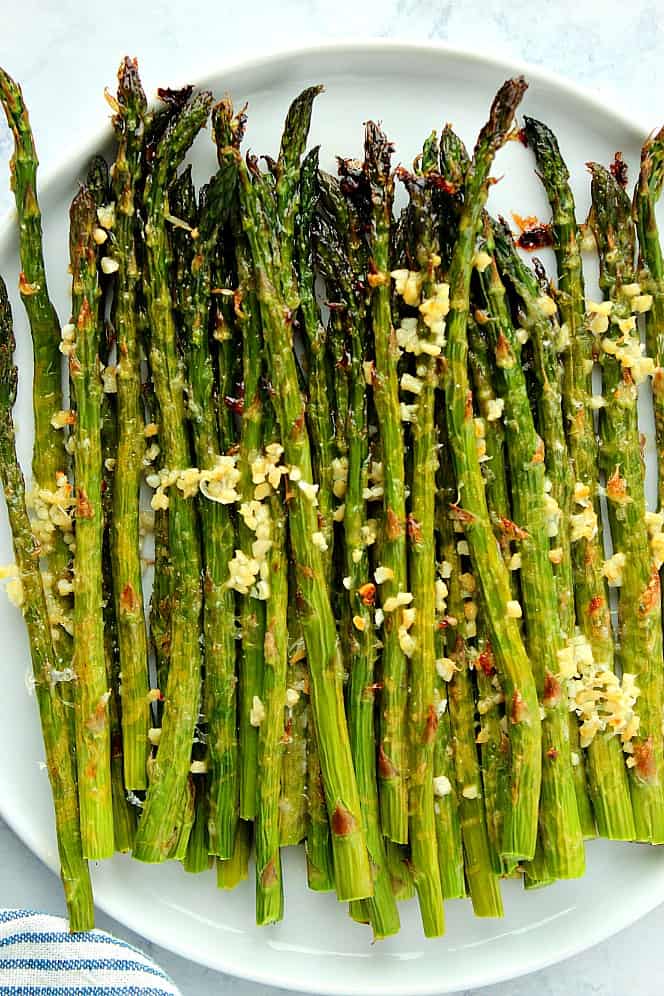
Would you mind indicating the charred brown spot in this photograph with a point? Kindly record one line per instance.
(298, 424)
(367, 593)
(414, 529)
(539, 236)
(385, 767)
(616, 488)
(235, 405)
(618, 170)
(269, 874)
(503, 350)
(394, 527)
(83, 506)
(534, 234)
(84, 314)
(431, 725)
(468, 410)
(287, 737)
(128, 599)
(237, 304)
(644, 756)
(538, 455)
(305, 570)
(552, 753)
(522, 137)
(595, 604)
(511, 529)
(518, 709)
(552, 690)
(460, 514)
(651, 596)
(486, 660)
(26, 289)
(343, 821)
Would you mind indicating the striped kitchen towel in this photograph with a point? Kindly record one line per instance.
(39, 957)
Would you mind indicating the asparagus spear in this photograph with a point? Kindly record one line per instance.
(269, 883)
(607, 781)
(49, 457)
(495, 760)
(274, 286)
(559, 824)
(646, 195)
(124, 814)
(129, 125)
(393, 766)
(482, 881)
(341, 257)
(320, 872)
(251, 609)
(218, 530)
(495, 746)
(639, 608)
(519, 834)
(92, 695)
(170, 770)
(418, 641)
(58, 747)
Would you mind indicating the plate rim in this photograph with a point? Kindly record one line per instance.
(637, 130)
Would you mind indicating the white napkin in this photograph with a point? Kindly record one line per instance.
(39, 957)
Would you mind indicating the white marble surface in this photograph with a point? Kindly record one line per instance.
(65, 52)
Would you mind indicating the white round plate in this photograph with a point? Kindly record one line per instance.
(317, 948)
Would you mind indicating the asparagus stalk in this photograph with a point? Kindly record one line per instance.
(482, 880)
(218, 530)
(269, 883)
(49, 457)
(58, 747)
(418, 641)
(606, 778)
(495, 746)
(646, 195)
(320, 872)
(129, 125)
(274, 286)
(639, 607)
(92, 694)
(251, 610)
(520, 831)
(342, 262)
(124, 814)
(170, 770)
(494, 749)
(393, 766)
